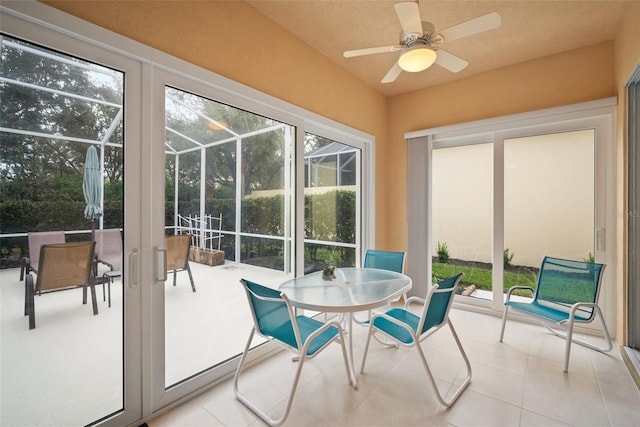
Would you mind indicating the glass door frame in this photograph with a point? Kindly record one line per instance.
(598, 115)
(31, 27)
(157, 396)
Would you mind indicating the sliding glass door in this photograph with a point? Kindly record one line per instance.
(462, 221)
(546, 183)
(549, 202)
(229, 189)
(227, 176)
(495, 196)
(62, 116)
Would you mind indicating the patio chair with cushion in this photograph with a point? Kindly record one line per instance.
(178, 247)
(35, 240)
(62, 266)
(274, 318)
(409, 329)
(567, 293)
(109, 253)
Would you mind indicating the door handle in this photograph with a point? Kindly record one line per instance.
(161, 265)
(133, 269)
(600, 239)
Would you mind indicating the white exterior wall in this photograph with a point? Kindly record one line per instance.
(549, 198)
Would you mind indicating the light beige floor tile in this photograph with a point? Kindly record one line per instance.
(497, 383)
(565, 405)
(531, 419)
(475, 409)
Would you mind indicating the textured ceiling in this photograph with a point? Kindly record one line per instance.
(530, 29)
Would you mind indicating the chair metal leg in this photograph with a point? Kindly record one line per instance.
(366, 348)
(94, 299)
(23, 268)
(193, 286)
(569, 338)
(504, 322)
(29, 302)
(263, 416)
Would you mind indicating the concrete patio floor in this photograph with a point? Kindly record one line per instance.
(69, 370)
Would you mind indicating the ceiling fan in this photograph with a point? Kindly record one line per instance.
(419, 42)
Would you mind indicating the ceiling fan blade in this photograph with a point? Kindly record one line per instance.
(371, 50)
(409, 16)
(473, 26)
(450, 61)
(393, 74)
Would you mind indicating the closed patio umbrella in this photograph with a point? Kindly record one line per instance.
(91, 187)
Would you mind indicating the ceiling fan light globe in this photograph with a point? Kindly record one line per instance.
(417, 58)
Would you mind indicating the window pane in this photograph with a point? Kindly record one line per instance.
(332, 194)
(228, 185)
(548, 186)
(69, 369)
(462, 206)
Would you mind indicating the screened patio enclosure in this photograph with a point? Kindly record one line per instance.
(53, 108)
(230, 173)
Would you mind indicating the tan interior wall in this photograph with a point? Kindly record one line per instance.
(627, 58)
(236, 41)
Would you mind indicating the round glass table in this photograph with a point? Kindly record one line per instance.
(352, 290)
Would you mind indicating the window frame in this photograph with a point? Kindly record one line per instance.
(598, 115)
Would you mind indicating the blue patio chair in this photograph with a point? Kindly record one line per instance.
(383, 260)
(409, 330)
(274, 318)
(566, 293)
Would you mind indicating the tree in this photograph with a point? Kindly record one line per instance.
(38, 168)
(194, 120)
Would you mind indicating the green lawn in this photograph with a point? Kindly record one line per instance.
(481, 277)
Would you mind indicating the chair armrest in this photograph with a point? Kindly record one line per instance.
(396, 322)
(24, 262)
(411, 300)
(101, 261)
(515, 288)
(303, 347)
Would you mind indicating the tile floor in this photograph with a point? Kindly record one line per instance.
(515, 383)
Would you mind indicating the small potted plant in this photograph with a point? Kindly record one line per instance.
(328, 273)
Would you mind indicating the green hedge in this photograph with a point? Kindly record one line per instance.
(328, 216)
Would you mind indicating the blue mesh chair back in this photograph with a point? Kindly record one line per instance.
(271, 314)
(440, 303)
(566, 282)
(384, 260)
